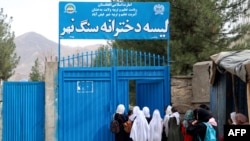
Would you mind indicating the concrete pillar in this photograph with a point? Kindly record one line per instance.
(201, 82)
(51, 76)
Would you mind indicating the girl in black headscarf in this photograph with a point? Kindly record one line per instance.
(198, 129)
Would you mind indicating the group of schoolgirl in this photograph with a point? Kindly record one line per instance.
(194, 126)
(143, 126)
(199, 125)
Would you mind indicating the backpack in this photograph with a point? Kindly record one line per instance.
(114, 126)
(210, 133)
(127, 126)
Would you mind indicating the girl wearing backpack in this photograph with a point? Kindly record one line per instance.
(198, 127)
(188, 119)
(121, 118)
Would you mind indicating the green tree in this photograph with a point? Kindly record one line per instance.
(36, 74)
(103, 56)
(198, 29)
(8, 58)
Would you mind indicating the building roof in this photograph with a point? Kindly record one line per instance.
(234, 62)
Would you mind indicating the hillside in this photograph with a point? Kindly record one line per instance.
(31, 45)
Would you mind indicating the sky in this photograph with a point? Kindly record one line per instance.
(40, 16)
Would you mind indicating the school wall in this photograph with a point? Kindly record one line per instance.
(188, 92)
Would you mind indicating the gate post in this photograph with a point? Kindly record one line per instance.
(51, 74)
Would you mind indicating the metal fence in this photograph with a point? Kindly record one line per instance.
(112, 57)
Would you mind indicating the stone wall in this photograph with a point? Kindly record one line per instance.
(181, 93)
(188, 92)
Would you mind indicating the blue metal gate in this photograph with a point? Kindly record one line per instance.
(23, 111)
(151, 93)
(91, 85)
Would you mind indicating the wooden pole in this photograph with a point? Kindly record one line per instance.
(248, 89)
(248, 100)
(234, 95)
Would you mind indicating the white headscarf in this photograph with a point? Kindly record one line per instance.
(120, 109)
(168, 112)
(155, 127)
(177, 116)
(232, 116)
(146, 111)
(140, 128)
(136, 109)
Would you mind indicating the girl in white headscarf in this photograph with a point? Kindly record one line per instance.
(155, 126)
(140, 128)
(146, 112)
(121, 118)
(233, 119)
(168, 112)
(134, 113)
(174, 133)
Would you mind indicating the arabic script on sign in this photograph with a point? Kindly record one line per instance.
(110, 26)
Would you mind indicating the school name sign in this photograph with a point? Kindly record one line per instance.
(114, 20)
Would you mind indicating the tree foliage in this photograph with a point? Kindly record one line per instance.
(103, 57)
(8, 58)
(198, 29)
(36, 74)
